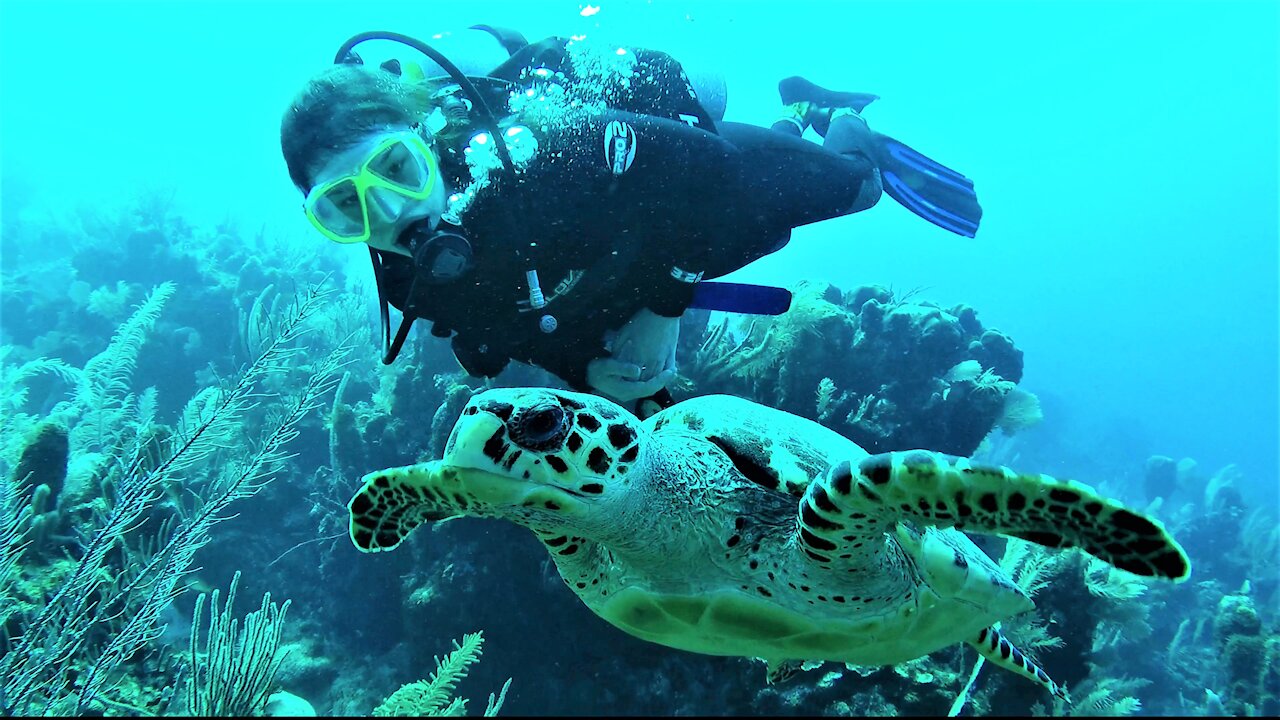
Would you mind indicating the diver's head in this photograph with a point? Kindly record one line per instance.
(354, 147)
(377, 190)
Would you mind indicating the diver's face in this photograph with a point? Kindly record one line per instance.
(389, 212)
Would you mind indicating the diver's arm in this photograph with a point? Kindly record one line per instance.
(566, 358)
(672, 294)
(476, 359)
(567, 352)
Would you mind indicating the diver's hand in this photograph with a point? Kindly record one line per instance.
(620, 381)
(649, 341)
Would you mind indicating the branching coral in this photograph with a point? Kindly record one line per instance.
(102, 397)
(107, 606)
(826, 390)
(433, 697)
(1033, 567)
(109, 302)
(14, 389)
(719, 353)
(766, 344)
(13, 520)
(1105, 581)
(233, 675)
(1123, 616)
(1260, 535)
(1108, 697)
(811, 307)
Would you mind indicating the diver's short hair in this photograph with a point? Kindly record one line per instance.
(339, 107)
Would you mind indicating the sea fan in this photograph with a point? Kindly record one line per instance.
(1021, 411)
(67, 654)
(235, 673)
(13, 522)
(967, 370)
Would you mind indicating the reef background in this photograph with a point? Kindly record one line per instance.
(1138, 319)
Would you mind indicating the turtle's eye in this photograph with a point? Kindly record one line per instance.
(542, 427)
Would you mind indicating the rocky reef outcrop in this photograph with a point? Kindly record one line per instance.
(888, 372)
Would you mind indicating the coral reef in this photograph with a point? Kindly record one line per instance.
(43, 461)
(1232, 540)
(1249, 655)
(890, 370)
(890, 373)
(85, 610)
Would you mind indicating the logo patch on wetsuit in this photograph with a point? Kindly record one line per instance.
(619, 146)
(561, 288)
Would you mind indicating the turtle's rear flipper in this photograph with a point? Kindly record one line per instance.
(392, 503)
(996, 649)
(944, 491)
(780, 671)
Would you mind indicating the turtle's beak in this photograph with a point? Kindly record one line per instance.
(483, 494)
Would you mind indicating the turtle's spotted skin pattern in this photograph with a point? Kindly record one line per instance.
(937, 489)
(723, 527)
(998, 650)
(383, 513)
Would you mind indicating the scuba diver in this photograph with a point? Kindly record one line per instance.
(566, 206)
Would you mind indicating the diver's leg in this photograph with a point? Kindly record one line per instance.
(779, 182)
(794, 119)
(788, 182)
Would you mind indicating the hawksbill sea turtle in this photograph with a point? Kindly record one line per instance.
(724, 527)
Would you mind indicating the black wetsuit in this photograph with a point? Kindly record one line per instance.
(699, 200)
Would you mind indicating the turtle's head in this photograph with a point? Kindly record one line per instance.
(562, 452)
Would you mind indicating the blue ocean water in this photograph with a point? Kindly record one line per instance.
(1125, 153)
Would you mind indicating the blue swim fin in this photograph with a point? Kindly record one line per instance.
(927, 188)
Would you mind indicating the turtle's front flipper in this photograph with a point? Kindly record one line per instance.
(997, 649)
(392, 503)
(945, 491)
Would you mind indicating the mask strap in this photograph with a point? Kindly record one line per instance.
(382, 298)
(393, 350)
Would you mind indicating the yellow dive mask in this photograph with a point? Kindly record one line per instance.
(401, 164)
